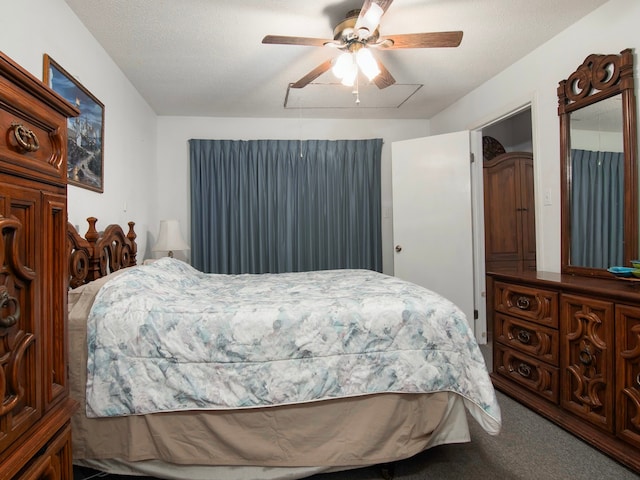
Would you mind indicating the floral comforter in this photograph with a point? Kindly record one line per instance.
(166, 337)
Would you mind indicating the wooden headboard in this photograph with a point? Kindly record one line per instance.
(99, 253)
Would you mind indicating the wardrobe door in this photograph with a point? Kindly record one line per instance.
(527, 212)
(509, 213)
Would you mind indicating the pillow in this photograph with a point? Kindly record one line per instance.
(80, 299)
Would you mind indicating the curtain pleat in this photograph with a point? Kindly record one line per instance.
(275, 206)
(597, 209)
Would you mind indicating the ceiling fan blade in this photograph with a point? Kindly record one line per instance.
(312, 75)
(421, 40)
(306, 41)
(384, 79)
(364, 21)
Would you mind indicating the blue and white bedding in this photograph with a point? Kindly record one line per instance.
(166, 337)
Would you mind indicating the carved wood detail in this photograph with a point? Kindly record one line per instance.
(597, 72)
(628, 373)
(587, 378)
(99, 253)
(14, 342)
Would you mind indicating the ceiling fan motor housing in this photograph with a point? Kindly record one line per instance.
(345, 31)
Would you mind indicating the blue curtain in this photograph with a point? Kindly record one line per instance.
(277, 206)
(597, 209)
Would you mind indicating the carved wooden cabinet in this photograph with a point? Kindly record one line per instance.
(34, 404)
(569, 348)
(510, 234)
(587, 363)
(627, 376)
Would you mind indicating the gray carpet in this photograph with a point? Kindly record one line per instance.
(529, 447)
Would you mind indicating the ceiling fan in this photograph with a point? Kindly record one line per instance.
(356, 36)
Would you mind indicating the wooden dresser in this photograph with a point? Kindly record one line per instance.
(568, 347)
(35, 408)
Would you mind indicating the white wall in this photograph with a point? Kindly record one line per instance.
(597, 141)
(609, 29)
(146, 158)
(173, 155)
(31, 28)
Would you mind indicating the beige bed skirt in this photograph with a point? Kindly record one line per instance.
(337, 434)
(352, 432)
(452, 429)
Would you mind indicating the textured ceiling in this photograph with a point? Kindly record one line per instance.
(205, 57)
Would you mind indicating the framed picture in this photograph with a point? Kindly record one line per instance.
(85, 133)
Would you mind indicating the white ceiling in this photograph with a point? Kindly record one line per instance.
(205, 57)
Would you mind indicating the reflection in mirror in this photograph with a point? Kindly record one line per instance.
(597, 185)
(598, 146)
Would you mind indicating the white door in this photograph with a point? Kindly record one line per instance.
(432, 216)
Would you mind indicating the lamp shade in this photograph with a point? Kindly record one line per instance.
(169, 238)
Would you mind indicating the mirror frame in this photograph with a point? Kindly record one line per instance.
(598, 78)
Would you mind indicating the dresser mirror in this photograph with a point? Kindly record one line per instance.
(598, 147)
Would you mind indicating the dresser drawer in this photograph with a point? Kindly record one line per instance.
(527, 337)
(529, 372)
(32, 138)
(533, 304)
(54, 461)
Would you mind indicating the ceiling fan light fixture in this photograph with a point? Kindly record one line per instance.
(359, 31)
(351, 73)
(346, 69)
(342, 65)
(367, 63)
(371, 19)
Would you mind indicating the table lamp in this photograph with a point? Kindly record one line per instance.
(169, 238)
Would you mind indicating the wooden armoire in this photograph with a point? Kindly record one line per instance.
(35, 408)
(509, 213)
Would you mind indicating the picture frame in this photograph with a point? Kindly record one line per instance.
(85, 133)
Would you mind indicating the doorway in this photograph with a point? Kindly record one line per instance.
(508, 199)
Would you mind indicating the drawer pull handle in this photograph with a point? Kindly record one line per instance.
(523, 303)
(585, 357)
(638, 380)
(25, 138)
(524, 337)
(524, 370)
(5, 300)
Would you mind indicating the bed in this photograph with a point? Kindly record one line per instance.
(241, 379)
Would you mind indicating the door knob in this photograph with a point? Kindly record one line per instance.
(398, 248)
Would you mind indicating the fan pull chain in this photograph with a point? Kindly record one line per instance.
(300, 126)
